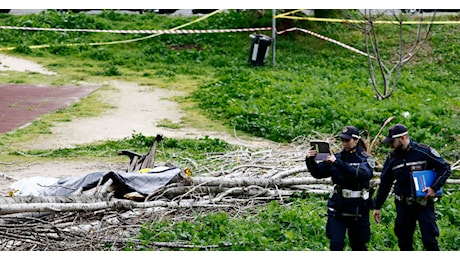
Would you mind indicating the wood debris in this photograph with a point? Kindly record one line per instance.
(96, 220)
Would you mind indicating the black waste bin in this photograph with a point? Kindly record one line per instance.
(259, 49)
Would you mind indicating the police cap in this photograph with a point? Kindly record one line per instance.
(349, 132)
(395, 131)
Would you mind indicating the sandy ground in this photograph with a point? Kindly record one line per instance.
(21, 65)
(138, 109)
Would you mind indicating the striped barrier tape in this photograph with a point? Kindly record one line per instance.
(125, 41)
(335, 20)
(172, 31)
(175, 30)
(326, 39)
(332, 20)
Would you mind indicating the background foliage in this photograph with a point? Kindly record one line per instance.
(314, 87)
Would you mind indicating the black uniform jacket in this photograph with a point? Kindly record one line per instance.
(399, 165)
(352, 170)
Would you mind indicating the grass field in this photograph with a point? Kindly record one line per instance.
(314, 87)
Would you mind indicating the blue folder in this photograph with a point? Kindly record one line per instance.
(423, 179)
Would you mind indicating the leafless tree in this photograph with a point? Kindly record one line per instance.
(385, 61)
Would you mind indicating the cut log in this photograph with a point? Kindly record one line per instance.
(263, 182)
(115, 204)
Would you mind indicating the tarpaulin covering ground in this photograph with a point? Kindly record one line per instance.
(22, 104)
(144, 183)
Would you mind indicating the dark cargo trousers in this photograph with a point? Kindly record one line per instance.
(358, 232)
(406, 219)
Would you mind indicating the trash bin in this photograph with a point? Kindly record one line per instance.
(259, 49)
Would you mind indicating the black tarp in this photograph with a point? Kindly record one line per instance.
(144, 183)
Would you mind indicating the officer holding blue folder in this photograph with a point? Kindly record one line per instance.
(407, 157)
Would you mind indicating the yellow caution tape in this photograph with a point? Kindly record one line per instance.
(118, 42)
(334, 20)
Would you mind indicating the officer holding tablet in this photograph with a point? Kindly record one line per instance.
(349, 203)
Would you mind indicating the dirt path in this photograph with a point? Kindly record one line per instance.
(138, 109)
(22, 65)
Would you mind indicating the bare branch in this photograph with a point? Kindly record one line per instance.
(390, 77)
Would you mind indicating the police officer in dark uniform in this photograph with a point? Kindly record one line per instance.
(408, 156)
(349, 203)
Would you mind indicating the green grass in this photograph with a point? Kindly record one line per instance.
(298, 225)
(315, 87)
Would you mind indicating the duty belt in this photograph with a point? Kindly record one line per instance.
(364, 194)
(344, 214)
(410, 200)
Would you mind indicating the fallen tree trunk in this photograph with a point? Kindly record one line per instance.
(55, 199)
(196, 192)
(263, 182)
(245, 192)
(116, 204)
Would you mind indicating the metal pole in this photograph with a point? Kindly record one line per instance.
(273, 36)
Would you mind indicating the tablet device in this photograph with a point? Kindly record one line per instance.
(322, 149)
